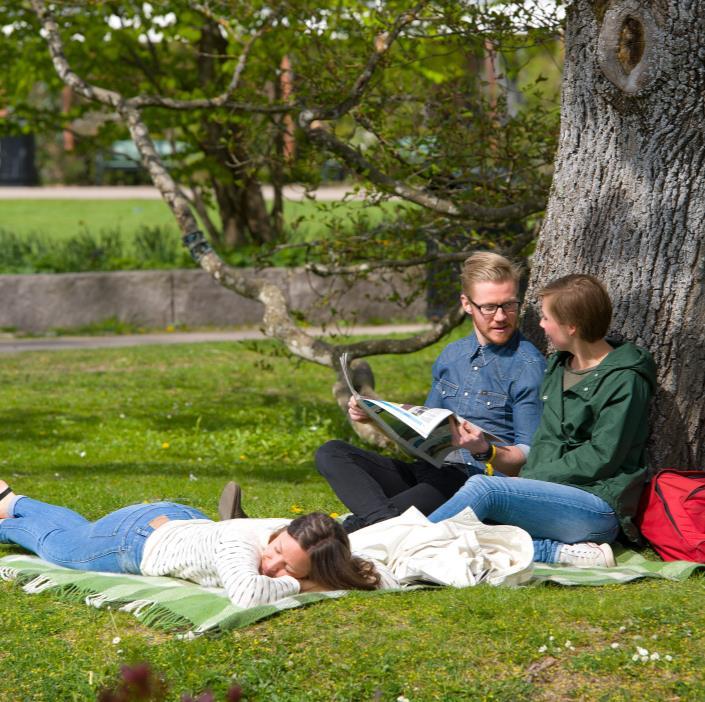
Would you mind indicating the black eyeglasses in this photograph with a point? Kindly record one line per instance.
(489, 310)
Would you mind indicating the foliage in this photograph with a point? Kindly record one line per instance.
(141, 682)
(97, 429)
(63, 236)
(107, 250)
(458, 107)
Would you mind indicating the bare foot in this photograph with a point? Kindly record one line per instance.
(5, 502)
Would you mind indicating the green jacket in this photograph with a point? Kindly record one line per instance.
(593, 436)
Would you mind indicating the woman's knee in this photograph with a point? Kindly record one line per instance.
(478, 485)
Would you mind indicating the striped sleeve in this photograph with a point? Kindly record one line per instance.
(237, 564)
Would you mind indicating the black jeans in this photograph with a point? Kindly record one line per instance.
(375, 487)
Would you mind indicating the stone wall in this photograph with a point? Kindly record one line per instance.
(39, 303)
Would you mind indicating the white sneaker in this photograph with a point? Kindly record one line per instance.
(586, 555)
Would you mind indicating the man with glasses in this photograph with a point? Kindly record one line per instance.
(490, 377)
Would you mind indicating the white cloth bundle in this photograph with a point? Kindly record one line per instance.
(461, 551)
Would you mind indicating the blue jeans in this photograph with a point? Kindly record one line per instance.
(113, 544)
(553, 514)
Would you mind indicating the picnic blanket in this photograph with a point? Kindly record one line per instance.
(177, 605)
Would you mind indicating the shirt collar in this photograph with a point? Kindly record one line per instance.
(489, 351)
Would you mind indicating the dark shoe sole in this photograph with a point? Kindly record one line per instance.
(229, 505)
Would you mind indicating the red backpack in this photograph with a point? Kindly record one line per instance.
(672, 515)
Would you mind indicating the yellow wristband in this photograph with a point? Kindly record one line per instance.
(489, 470)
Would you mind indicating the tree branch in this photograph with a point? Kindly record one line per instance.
(221, 100)
(475, 215)
(383, 43)
(326, 271)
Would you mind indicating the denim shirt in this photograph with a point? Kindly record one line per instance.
(494, 386)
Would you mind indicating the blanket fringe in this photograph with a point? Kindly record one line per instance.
(148, 612)
(39, 584)
(8, 573)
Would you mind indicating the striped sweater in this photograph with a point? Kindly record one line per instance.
(218, 554)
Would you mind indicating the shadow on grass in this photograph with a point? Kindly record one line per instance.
(157, 471)
(44, 426)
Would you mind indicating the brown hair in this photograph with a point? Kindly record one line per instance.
(582, 301)
(328, 547)
(487, 267)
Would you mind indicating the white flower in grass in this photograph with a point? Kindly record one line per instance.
(543, 649)
(622, 629)
(635, 657)
(644, 659)
(116, 640)
(614, 645)
(642, 651)
(192, 477)
(402, 698)
(668, 657)
(654, 656)
(551, 638)
(82, 454)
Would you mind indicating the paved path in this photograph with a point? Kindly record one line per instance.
(9, 344)
(147, 192)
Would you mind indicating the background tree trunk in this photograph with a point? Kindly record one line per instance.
(628, 197)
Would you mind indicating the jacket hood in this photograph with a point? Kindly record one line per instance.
(626, 356)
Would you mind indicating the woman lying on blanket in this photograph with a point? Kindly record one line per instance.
(256, 560)
(586, 467)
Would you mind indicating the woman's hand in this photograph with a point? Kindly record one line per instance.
(355, 412)
(464, 435)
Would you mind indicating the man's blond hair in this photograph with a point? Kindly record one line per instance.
(487, 267)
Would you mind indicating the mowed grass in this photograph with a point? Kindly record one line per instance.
(96, 430)
(62, 219)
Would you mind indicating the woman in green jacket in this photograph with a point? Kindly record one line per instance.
(587, 464)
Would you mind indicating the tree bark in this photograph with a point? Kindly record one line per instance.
(627, 202)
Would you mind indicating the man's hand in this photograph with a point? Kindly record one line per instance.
(355, 412)
(464, 435)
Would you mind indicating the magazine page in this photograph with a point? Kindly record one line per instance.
(432, 449)
(422, 431)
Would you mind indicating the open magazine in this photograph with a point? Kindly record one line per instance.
(421, 431)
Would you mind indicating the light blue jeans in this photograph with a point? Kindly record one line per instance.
(113, 544)
(553, 514)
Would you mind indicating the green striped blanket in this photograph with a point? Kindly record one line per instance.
(172, 604)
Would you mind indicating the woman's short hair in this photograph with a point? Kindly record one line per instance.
(328, 547)
(487, 267)
(582, 301)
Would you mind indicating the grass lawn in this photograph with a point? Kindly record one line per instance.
(96, 430)
(61, 219)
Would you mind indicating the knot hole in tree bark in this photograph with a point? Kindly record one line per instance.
(630, 46)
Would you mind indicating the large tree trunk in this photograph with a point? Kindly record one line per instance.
(628, 196)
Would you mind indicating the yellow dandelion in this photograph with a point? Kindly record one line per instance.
(170, 327)
(333, 515)
(242, 456)
(296, 509)
(165, 445)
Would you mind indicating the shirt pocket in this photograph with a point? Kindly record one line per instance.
(446, 389)
(491, 405)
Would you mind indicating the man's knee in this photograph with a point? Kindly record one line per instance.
(328, 456)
